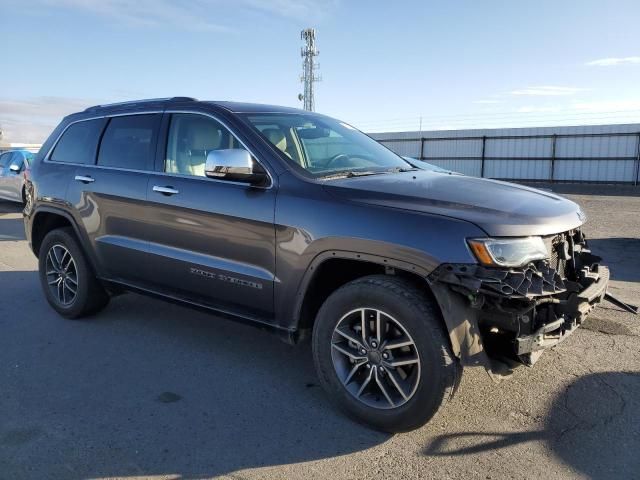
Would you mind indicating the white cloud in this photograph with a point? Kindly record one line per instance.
(194, 15)
(150, 13)
(32, 120)
(613, 61)
(607, 106)
(533, 109)
(487, 102)
(296, 9)
(548, 90)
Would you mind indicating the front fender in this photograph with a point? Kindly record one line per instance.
(311, 225)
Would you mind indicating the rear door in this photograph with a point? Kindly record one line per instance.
(212, 241)
(109, 195)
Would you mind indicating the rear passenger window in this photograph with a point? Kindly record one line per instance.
(79, 142)
(129, 142)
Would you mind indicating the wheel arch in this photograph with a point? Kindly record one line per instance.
(334, 268)
(458, 321)
(46, 219)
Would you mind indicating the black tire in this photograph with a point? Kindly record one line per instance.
(90, 297)
(438, 371)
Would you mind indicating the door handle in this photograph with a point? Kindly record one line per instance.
(85, 179)
(165, 190)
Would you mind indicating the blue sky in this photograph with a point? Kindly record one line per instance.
(456, 64)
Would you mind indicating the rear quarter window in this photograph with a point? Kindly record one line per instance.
(130, 142)
(79, 142)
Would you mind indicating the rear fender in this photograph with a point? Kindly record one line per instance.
(31, 220)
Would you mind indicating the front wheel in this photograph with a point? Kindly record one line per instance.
(382, 355)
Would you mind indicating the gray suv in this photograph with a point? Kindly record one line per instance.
(299, 223)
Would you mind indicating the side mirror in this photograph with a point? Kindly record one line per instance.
(15, 168)
(233, 164)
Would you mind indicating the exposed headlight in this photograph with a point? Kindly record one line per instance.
(508, 252)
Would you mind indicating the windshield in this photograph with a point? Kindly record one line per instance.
(324, 146)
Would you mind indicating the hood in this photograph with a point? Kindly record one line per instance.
(501, 209)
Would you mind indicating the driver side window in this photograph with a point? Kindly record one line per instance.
(191, 137)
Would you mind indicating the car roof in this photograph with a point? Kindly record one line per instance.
(162, 103)
(242, 107)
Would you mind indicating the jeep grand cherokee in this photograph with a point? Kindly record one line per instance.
(297, 222)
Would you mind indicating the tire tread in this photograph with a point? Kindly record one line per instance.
(95, 298)
(431, 321)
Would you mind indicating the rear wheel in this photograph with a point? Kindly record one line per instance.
(382, 355)
(68, 283)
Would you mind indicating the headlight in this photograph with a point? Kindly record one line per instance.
(508, 252)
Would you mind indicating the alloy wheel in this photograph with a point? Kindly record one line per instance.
(62, 274)
(375, 358)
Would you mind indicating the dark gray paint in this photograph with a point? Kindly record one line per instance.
(221, 228)
(237, 236)
(112, 211)
(501, 209)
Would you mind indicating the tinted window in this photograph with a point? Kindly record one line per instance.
(129, 142)
(4, 159)
(191, 138)
(79, 142)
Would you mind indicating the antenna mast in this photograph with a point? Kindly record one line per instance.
(309, 67)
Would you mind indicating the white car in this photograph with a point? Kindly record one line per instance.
(12, 167)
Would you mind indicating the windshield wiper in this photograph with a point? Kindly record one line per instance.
(352, 173)
(402, 169)
(363, 173)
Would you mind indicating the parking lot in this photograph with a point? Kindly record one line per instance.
(150, 389)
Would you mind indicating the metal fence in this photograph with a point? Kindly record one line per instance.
(611, 155)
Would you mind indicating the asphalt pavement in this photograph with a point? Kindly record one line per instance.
(147, 389)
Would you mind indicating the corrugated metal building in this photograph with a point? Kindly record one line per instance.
(589, 153)
(31, 147)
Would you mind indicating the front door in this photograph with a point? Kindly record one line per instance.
(211, 241)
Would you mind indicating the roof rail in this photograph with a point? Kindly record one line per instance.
(183, 99)
(141, 102)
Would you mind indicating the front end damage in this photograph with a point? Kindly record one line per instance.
(501, 316)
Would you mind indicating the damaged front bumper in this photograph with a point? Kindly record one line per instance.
(573, 311)
(512, 315)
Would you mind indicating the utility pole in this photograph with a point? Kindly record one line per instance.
(309, 77)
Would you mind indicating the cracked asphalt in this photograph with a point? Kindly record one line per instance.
(148, 389)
